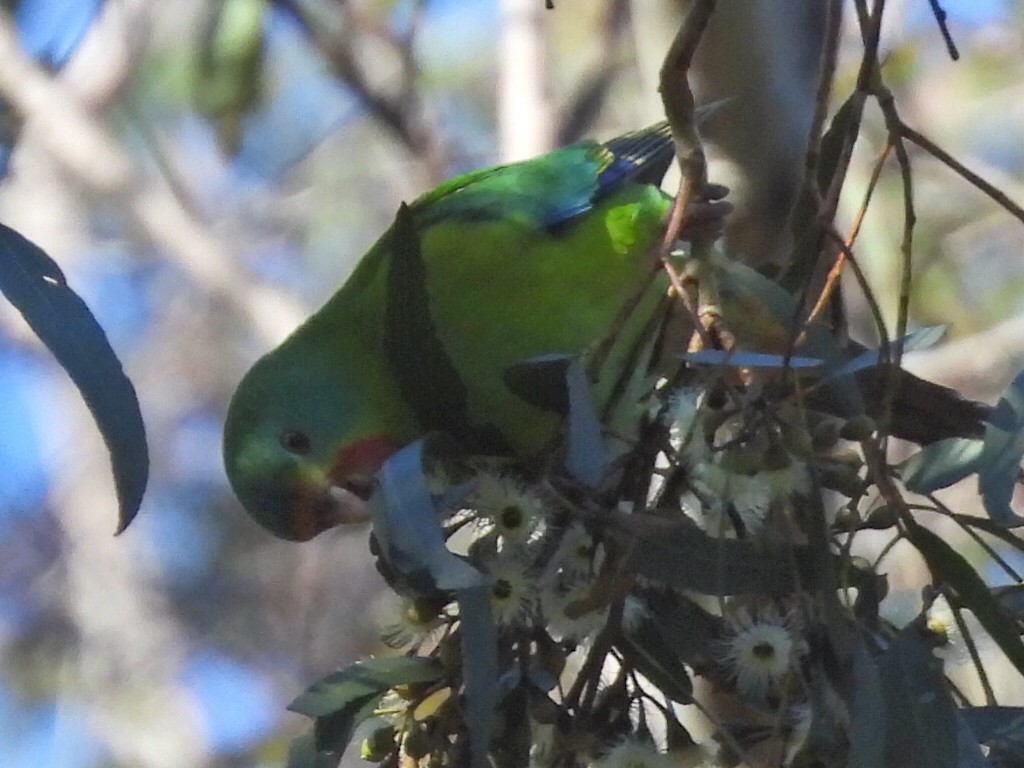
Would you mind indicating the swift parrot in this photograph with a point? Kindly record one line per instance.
(488, 270)
(491, 269)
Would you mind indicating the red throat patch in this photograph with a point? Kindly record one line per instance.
(362, 457)
(318, 509)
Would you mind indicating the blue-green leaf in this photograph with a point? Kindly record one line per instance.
(648, 651)
(35, 285)
(302, 754)
(479, 669)
(333, 732)
(922, 338)
(585, 456)
(742, 359)
(941, 464)
(921, 716)
(406, 524)
(869, 721)
(409, 531)
(948, 566)
(999, 464)
(969, 754)
(683, 556)
(364, 678)
(990, 724)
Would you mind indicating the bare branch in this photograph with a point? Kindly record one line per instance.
(400, 112)
(77, 141)
(940, 16)
(940, 154)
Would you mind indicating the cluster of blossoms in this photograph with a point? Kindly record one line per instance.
(738, 468)
(542, 565)
(545, 565)
(737, 471)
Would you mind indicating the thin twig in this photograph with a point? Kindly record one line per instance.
(869, 296)
(893, 123)
(940, 154)
(832, 280)
(972, 649)
(940, 16)
(401, 112)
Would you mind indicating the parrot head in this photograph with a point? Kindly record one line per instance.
(301, 449)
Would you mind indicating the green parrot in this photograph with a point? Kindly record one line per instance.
(490, 269)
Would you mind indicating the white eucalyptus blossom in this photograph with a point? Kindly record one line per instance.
(761, 648)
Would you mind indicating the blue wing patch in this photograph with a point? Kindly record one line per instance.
(549, 192)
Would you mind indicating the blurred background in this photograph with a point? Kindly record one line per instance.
(207, 173)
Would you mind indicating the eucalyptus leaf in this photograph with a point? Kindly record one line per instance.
(585, 457)
(999, 464)
(35, 285)
(969, 754)
(742, 359)
(426, 376)
(921, 716)
(364, 678)
(480, 669)
(332, 733)
(998, 468)
(941, 464)
(540, 381)
(685, 557)
(869, 719)
(991, 724)
(922, 338)
(302, 754)
(806, 231)
(948, 566)
(646, 649)
(407, 526)
(688, 628)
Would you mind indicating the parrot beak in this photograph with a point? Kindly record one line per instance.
(339, 496)
(325, 506)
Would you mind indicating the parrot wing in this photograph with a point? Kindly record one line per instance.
(556, 188)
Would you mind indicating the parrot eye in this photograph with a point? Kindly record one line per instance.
(295, 442)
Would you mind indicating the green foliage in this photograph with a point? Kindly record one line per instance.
(35, 285)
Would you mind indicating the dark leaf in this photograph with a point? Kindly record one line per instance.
(512, 742)
(998, 467)
(648, 651)
(869, 721)
(687, 627)
(333, 732)
(364, 678)
(941, 464)
(969, 754)
(1000, 460)
(685, 557)
(1011, 597)
(35, 285)
(541, 381)
(922, 338)
(302, 754)
(805, 228)
(742, 359)
(480, 669)
(991, 724)
(921, 716)
(948, 566)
